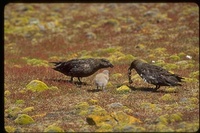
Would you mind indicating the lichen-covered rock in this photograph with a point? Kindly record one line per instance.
(123, 118)
(53, 128)
(24, 119)
(115, 105)
(123, 89)
(36, 86)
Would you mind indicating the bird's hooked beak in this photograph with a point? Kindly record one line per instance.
(111, 65)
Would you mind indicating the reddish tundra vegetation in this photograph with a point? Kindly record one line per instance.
(40, 99)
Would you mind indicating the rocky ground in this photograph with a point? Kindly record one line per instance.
(39, 99)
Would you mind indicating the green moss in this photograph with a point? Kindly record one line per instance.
(170, 66)
(53, 128)
(159, 50)
(126, 58)
(167, 97)
(189, 65)
(112, 22)
(93, 102)
(13, 111)
(128, 128)
(194, 74)
(191, 80)
(82, 108)
(123, 118)
(160, 63)
(163, 119)
(194, 100)
(104, 127)
(171, 89)
(7, 93)
(20, 101)
(97, 110)
(116, 75)
(181, 55)
(37, 86)
(141, 46)
(36, 62)
(24, 119)
(123, 89)
(175, 57)
(53, 88)
(98, 120)
(28, 109)
(10, 129)
(175, 117)
(163, 128)
(70, 130)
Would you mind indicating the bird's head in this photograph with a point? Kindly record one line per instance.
(105, 63)
(106, 72)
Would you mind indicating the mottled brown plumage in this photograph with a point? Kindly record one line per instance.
(81, 67)
(154, 74)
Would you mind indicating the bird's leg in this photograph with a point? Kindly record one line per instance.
(71, 80)
(79, 80)
(157, 87)
(104, 89)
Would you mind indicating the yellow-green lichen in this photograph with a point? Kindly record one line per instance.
(167, 97)
(7, 93)
(36, 62)
(36, 86)
(53, 128)
(82, 108)
(123, 89)
(175, 57)
(20, 101)
(171, 89)
(24, 119)
(175, 117)
(13, 111)
(10, 129)
(28, 109)
(93, 102)
(104, 127)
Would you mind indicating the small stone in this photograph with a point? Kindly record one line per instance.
(115, 105)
